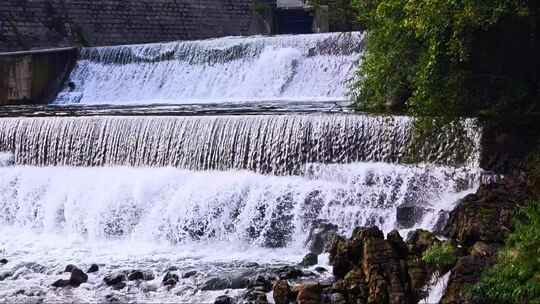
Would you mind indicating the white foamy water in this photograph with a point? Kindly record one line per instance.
(214, 222)
(235, 69)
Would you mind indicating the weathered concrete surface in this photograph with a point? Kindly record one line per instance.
(31, 24)
(34, 77)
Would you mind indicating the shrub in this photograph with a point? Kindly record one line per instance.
(441, 256)
(516, 276)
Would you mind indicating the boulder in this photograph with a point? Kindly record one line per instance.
(466, 273)
(77, 277)
(114, 278)
(69, 268)
(189, 274)
(170, 279)
(119, 286)
(136, 275)
(309, 260)
(309, 294)
(255, 297)
(3, 261)
(281, 292)
(409, 214)
(320, 236)
(93, 268)
(60, 283)
(289, 273)
(224, 299)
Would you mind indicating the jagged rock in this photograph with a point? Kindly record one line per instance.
(262, 281)
(224, 300)
(320, 236)
(189, 274)
(309, 294)
(466, 272)
(3, 261)
(281, 292)
(93, 268)
(140, 275)
(420, 240)
(486, 215)
(353, 285)
(114, 278)
(170, 279)
(309, 260)
(342, 257)
(410, 213)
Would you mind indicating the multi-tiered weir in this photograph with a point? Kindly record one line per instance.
(175, 188)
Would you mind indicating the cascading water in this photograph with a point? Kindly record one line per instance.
(210, 194)
(267, 144)
(301, 67)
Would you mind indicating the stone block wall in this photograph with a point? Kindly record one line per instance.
(34, 24)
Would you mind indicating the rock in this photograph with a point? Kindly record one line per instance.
(149, 287)
(486, 215)
(140, 275)
(262, 281)
(281, 292)
(60, 283)
(6, 274)
(115, 278)
(320, 236)
(343, 256)
(309, 260)
(224, 300)
(189, 274)
(289, 273)
(119, 286)
(216, 284)
(69, 268)
(170, 279)
(420, 240)
(93, 268)
(255, 297)
(321, 269)
(466, 273)
(483, 250)
(410, 213)
(337, 298)
(77, 277)
(3, 261)
(309, 294)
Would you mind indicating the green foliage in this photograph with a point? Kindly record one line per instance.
(341, 15)
(441, 256)
(533, 172)
(516, 276)
(445, 58)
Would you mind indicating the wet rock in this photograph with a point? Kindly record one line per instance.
(353, 285)
(344, 254)
(189, 274)
(309, 294)
(115, 278)
(77, 277)
(486, 215)
(148, 287)
(216, 284)
(3, 261)
(69, 268)
(309, 260)
(466, 273)
(60, 283)
(254, 297)
(281, 292)
(320, 236)
(170, 279)
(420, 240)
(263, 281)
(119, 286)
(337, 298)
(140, 275)
(224, 300)
(93, 268)
(321, 269)
(410, 213)
(6, 274)
(289, 273)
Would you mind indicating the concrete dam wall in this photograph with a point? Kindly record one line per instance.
(36, 24)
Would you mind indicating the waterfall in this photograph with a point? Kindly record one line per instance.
(237, 69)
(179, 205)
(278, 144)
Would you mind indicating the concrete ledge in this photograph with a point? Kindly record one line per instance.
(35, 76)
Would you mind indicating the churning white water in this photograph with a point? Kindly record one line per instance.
(237, 69)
